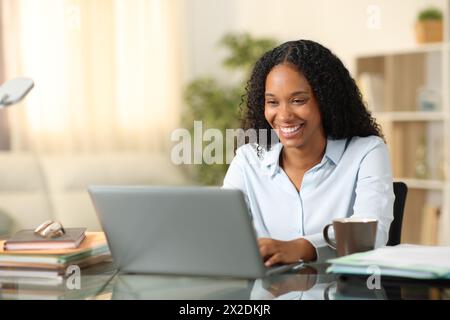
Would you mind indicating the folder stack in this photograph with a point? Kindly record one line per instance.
(404, 261)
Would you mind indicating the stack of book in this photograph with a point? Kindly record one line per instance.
(40, 266)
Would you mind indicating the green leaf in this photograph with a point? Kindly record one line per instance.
(430, 13)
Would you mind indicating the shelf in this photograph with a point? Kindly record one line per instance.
(410, 116)
(418, 48)
(391, 80)
(422, 183)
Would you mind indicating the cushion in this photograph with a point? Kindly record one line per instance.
(20, 172)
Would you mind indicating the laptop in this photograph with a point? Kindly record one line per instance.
(203, 231)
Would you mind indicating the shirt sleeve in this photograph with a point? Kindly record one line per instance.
(323, 251)
(374, 191)
(234, 178)
(374, 198)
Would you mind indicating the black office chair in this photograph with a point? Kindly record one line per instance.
(395, 232)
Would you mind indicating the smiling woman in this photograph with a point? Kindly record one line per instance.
(292, 110)
(331, 161)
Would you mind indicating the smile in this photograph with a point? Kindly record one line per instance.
(290, 131)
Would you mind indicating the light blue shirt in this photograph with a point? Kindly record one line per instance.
(354, 178)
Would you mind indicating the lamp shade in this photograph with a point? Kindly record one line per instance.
(14, 90)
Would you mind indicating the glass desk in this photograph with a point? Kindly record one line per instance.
(90, 285)
(308, 283)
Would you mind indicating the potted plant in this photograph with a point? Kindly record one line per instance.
(219, 105)
(429, 26)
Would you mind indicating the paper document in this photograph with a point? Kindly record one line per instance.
(412, 255)
(414, 261)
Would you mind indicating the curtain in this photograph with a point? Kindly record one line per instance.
(4, 123)
(106, 72)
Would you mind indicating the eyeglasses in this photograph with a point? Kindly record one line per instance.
(50, 229)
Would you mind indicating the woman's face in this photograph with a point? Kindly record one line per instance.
(291, 108)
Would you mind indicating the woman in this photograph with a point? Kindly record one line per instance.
(331, 160)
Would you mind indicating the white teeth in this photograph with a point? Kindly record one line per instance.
(290, 129)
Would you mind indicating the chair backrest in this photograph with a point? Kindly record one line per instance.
(395, 232)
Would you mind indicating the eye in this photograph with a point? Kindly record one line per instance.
(299, 101)
(271, 102)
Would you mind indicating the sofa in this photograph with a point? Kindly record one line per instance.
(35, 188)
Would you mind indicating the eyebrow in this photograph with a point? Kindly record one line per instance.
(293, 94)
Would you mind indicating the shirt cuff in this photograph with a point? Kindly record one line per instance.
(323, 251)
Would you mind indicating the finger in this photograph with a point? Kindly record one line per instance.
(266, 251)
(263, 241)
(274, 259)
(267, 242)
(265, 246)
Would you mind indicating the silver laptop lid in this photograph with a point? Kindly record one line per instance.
(179, 230)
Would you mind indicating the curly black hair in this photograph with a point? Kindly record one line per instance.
(343, 112)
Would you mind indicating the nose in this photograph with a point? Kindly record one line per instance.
(285, 112)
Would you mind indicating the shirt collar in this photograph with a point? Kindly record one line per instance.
(335, 149)
(333, 152)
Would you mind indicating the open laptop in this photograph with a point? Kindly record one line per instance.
(203, 231)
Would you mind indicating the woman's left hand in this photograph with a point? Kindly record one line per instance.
(284, 252)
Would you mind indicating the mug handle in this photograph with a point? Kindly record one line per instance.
(329, 242)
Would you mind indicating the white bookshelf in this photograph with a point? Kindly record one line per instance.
(418, 48)
(410, 116)
(426, 184)
(444, 223)
(411, 132)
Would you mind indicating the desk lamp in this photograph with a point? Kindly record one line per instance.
(12, 91)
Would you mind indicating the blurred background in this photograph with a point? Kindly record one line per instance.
(114, 78)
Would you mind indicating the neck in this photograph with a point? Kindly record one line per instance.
(305, 157)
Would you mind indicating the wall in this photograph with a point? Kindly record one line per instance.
(341, 25)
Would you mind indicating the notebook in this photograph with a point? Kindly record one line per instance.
(28, 240)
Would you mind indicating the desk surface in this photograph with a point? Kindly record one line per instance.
(311, 282)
